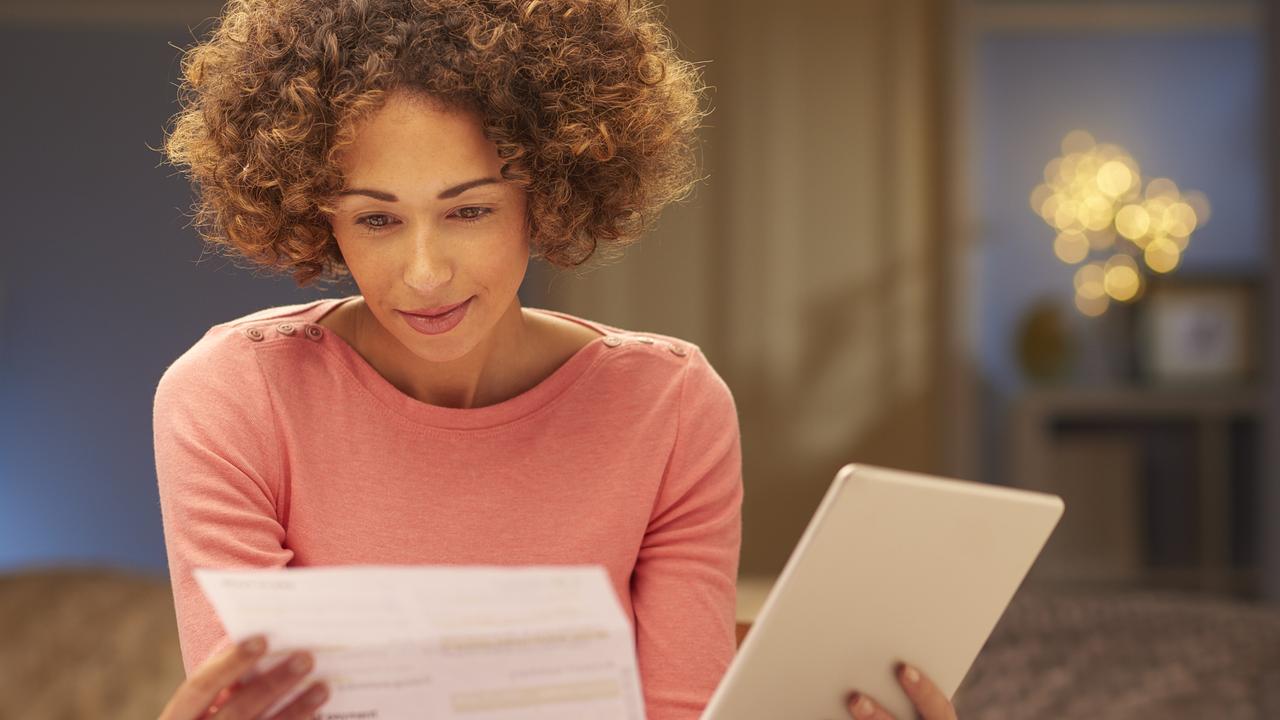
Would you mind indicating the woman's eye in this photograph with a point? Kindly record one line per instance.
(374, 223)
(379, 222)
(480, 214)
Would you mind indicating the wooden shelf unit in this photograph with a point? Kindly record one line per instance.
(1118, 454)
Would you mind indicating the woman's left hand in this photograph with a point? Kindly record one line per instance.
(928, 699)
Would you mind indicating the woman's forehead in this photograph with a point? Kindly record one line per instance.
(401, 138)
(404, 116)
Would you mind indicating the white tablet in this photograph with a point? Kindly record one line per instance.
(893, 566)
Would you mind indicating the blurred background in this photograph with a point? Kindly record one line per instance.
(1029, 243)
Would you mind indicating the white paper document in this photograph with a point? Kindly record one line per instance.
(479, 642)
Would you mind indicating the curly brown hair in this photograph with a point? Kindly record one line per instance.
(592, 111)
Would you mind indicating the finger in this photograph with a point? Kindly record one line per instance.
(862, 707)
(302, 707)
(928, 699)
(258, 694)
(193, 697)
(222, 697)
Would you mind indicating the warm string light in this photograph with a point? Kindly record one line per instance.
(1107, 223)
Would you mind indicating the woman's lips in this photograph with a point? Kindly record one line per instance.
(437, 324)
(435, 312)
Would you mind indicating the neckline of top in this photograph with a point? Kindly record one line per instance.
(438, 416)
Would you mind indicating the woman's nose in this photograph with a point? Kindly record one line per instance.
(429, 267)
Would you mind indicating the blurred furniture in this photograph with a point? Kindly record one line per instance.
(1160, 484)
(94, 643)
(84, 643)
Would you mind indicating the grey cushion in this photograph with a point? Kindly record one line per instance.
(1127, 654)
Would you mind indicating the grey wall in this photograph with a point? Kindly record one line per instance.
(102, 287)
(1270, 507)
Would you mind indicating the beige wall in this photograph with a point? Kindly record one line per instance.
(810, 266)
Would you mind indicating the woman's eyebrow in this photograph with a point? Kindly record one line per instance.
(452, 192)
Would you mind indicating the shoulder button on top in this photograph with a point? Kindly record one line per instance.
(645, 340)
(285, 328)
(253, 333)
(612, 340)
(313, 331)
(677, 350)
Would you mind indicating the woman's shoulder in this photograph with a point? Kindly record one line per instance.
(642, 341)
(648, 362)
(226, 349)
(254, 326)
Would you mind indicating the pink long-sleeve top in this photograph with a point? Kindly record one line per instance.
(277, 444)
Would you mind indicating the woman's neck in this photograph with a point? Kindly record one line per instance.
(496, 369)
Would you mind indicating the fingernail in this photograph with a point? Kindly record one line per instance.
(911, 675)
(862, 707)
(254, 645)
(318, 693)
(300, 663)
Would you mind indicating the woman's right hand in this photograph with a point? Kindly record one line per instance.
(214, 690)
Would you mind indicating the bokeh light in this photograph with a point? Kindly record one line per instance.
(1121, 278)
(1093, 307)
(1115, 178)
(1133, 221)
(1107, 222)
(1162, 187)
(1162, 255)
(1071, 247)
(1089, 281)
(1078, 141)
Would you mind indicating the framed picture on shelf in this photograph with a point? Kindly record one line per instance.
(1199, 330)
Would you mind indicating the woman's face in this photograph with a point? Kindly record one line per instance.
(427, 221)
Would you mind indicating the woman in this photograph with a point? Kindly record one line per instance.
(429, 149)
